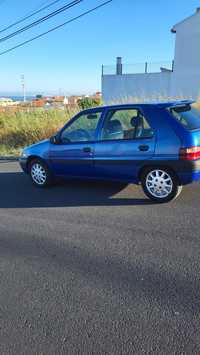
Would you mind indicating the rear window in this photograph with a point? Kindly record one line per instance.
(188, 116)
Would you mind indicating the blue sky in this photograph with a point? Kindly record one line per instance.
(69, 60)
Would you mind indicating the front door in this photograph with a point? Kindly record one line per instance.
(74, 155)
(125, 140)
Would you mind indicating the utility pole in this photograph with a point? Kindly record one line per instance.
(23, 87)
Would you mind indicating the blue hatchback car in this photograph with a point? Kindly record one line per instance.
(155, 145)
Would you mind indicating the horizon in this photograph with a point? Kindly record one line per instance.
(32, 94)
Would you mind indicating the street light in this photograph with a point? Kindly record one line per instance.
(23, 87)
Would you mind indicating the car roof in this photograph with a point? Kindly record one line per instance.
(156, 104)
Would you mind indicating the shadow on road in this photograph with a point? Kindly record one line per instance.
(17, 191)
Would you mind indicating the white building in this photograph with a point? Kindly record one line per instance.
(5, 101)
(181, 79)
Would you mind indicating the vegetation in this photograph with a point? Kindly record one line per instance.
(19, 129)
(88, 102)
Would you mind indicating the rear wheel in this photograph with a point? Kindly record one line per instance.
(39, 173)
(160, 184)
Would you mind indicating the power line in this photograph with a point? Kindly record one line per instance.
(57, 27)
(29, 15)
(42, 19)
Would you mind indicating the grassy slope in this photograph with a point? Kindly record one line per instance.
(20, 129)
(24, 128)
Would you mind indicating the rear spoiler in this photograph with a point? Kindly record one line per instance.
(179, 103)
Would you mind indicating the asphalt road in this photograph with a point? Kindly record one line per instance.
(95, 268)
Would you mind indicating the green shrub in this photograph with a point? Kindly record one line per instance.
(88, 102)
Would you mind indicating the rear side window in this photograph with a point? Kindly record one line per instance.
(188, 116)
(127, 124)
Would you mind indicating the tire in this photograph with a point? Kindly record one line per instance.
(39, 173)
(160, 184)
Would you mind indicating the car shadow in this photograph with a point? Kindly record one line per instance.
(17, 191)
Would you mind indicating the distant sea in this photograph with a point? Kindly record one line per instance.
(19, 98)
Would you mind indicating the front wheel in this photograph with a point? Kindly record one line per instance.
(39, 173)
(160, 184)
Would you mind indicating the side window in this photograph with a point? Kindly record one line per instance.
(83, 129)
(125, 124)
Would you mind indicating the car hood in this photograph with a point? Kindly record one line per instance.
(38, 144)
(40, 149)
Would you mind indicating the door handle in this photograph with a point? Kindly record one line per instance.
(87, 150)
(143, 148)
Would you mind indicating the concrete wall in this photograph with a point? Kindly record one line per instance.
(183, 82)
(186, 75)
(119, 88)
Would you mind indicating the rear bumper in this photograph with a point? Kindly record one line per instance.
(188, 172)
(188, 178)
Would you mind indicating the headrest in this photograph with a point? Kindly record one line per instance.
(136, 121)
(114, 126)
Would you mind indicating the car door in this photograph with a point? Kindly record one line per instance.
(125, 141)
(74, 154)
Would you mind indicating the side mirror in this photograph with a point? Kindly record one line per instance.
(55, 139)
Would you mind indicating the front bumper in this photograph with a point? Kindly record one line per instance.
(23, 164)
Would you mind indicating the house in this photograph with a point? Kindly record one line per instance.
(180, 78)
(38, 103)
(59, 99)
(73, 100)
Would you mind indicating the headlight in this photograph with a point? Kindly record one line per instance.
(24, 154)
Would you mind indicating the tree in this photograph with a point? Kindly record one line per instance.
(88, 102)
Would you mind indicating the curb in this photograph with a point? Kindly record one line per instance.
(9, 158)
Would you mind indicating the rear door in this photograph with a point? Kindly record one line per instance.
(125, 141)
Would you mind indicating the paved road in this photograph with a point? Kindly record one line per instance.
(92, 268)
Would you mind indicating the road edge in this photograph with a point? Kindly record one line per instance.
(8, 158)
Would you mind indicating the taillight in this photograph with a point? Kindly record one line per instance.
(192, 153)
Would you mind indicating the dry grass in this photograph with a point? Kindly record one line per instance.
(19, 129)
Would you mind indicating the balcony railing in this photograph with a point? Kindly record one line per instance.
(138, 68)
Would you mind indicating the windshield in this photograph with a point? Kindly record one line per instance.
(188, 116)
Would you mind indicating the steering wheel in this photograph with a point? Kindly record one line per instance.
(75, 136)
(83, 133)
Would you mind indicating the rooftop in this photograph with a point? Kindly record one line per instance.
(174, 28)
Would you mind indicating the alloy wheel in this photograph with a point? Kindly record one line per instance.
(159, 183)
(38, 174)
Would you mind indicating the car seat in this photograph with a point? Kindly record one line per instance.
(113, 130)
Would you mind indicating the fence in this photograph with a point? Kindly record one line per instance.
(138, 68)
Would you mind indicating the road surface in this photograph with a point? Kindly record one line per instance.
(95, 268)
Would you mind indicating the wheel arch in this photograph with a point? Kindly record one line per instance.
(33, 157)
